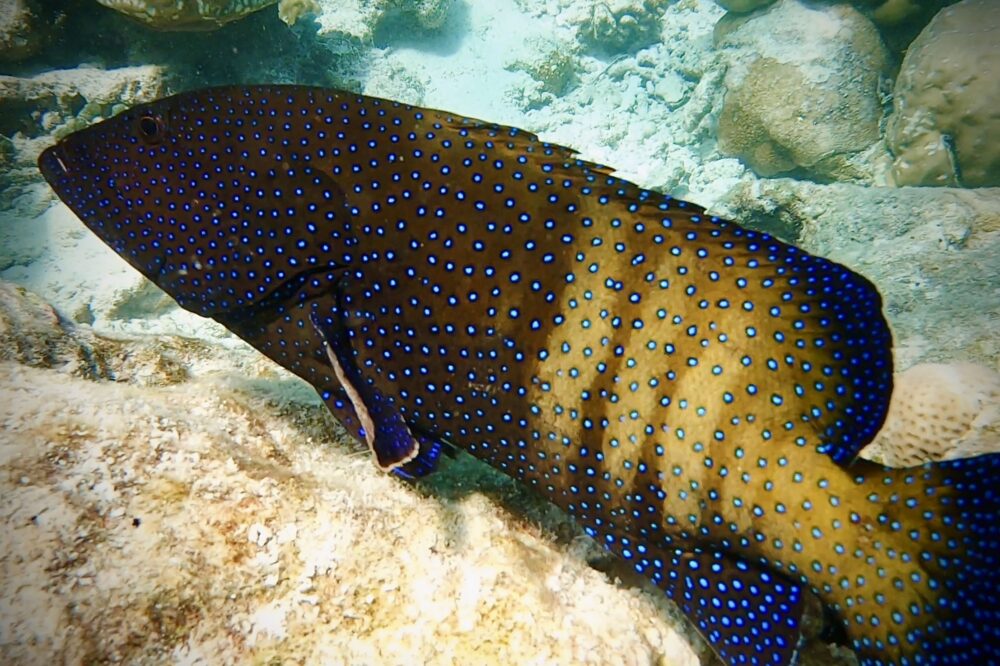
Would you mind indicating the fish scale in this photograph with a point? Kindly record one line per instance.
(693, 392)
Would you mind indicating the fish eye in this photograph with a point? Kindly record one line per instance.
(151, 128)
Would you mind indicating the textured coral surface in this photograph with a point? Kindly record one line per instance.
(186, 14)
(947, 101)
(940, 411)
(798, 100)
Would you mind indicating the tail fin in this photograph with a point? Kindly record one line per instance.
(938, 546)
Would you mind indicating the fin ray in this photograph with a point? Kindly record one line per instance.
(747, 614)
(942, 521)
(386, 432)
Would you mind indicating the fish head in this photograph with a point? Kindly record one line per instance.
(92, 170)
(209, 194)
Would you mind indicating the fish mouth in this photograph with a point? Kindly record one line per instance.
(58, 165)
(58, 162)
(52, 165)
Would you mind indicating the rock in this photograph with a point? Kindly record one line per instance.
(802, 90)
(359, 20)
(429, 14)
(891, 13)
(33, 109)
(617, 26)
(61, 101)
(553, 67)
(387, 78)
(34, 334)
(223, 516)
(290, 11)
(900, 21)
(947, 101)
(186, 14)
(22, 29)
(939, 412)
(932, 252)
(743, 6)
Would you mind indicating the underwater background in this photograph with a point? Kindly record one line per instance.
(168, 494)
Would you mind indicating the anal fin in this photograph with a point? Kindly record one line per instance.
(747, 614)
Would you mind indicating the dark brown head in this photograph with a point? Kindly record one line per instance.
(211, 194)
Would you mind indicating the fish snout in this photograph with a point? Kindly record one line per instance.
(53, 164)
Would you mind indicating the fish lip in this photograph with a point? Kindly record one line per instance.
(52, 165)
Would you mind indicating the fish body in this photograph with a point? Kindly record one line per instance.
(693, 392)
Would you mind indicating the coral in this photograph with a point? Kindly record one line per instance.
(23, 29)
(186, 14)
(615, 26)
(359, 20)
(940, 412)
(802, 90)
(947, 101)
(746, 125)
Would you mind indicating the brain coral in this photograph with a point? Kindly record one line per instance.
(938, 412)
(186, 14)
(947, 101)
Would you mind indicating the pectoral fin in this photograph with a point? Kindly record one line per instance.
(424, 462)
(386, 433)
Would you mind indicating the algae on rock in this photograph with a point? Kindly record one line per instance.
(802, 90)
